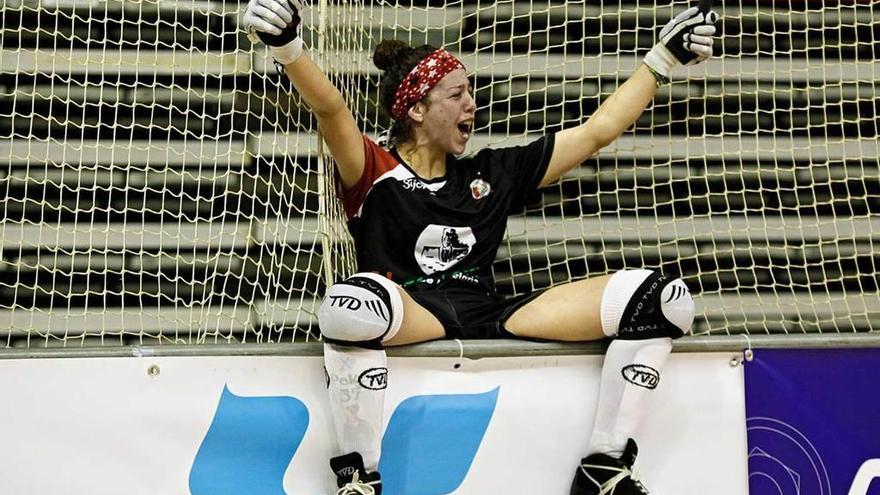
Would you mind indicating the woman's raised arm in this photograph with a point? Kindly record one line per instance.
(277, 23)
(686, 39)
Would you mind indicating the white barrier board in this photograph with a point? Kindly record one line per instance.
(217, 425)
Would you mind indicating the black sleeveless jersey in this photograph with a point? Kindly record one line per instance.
(443, 232)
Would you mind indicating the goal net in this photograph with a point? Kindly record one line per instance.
(162, 183)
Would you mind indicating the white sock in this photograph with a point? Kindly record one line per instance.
(630, 374)
(358, 378)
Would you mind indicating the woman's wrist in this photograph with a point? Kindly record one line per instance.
(288, 53)
(660, 79)
(661, 61)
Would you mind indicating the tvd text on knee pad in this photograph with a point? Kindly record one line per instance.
(363, 310)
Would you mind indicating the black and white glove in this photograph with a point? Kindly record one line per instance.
(278, 24)
(686, 39)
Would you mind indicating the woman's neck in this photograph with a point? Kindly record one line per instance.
(425, 161)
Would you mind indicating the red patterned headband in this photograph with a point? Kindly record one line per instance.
(429, 71)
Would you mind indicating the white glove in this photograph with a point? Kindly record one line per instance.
(278, 24)
(686, 39)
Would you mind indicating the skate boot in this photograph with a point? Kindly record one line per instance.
(601, 474)
(352, 478)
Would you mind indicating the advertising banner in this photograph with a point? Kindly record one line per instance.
(261, 426)
(813, 422)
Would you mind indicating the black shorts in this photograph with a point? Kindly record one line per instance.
(472, 314)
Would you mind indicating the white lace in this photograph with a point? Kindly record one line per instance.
(358, 487)
(608, 487)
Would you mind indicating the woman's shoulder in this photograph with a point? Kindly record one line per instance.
(504, 152)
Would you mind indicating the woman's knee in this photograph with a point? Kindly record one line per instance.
(643, 304)
(364, 310)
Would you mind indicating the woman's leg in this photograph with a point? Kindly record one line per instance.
(568, 312)
(358, 318)
(643, 311)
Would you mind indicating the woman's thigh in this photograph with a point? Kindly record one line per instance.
(418, 325)
(568, 312)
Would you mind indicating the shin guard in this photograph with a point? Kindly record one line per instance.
(631, 374)
(357, 379)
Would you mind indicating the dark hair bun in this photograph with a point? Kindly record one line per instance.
(390, 52)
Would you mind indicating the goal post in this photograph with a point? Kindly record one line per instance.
(163, 184)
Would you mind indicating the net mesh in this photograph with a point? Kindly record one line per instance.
(163, 184)
(159, 187)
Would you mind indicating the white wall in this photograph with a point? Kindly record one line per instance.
(104, 426)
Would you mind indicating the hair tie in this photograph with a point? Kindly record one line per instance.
(424, 76)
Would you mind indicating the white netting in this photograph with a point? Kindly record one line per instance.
(754, 177)
(158, 186)
(161, 182)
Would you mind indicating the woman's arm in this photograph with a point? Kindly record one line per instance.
(335, 121)
(277, 23)
(686, 39)
(614, 116)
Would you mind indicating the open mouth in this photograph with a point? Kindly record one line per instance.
(465, 128)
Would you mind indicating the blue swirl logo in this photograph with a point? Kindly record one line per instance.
(248, 446)
(428, 448)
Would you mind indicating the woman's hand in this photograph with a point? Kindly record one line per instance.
(686, 40)
(278, 24)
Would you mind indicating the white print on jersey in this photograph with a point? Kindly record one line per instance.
(413, 184)
(440, 247)
(409, 182)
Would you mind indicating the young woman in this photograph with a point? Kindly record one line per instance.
(427, 224)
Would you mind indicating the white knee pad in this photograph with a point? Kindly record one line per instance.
(365, 309)
(642, 304)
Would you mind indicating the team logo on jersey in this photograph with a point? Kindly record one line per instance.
(480, 188)
(439, 247)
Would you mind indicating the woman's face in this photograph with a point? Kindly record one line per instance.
(449, 115)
